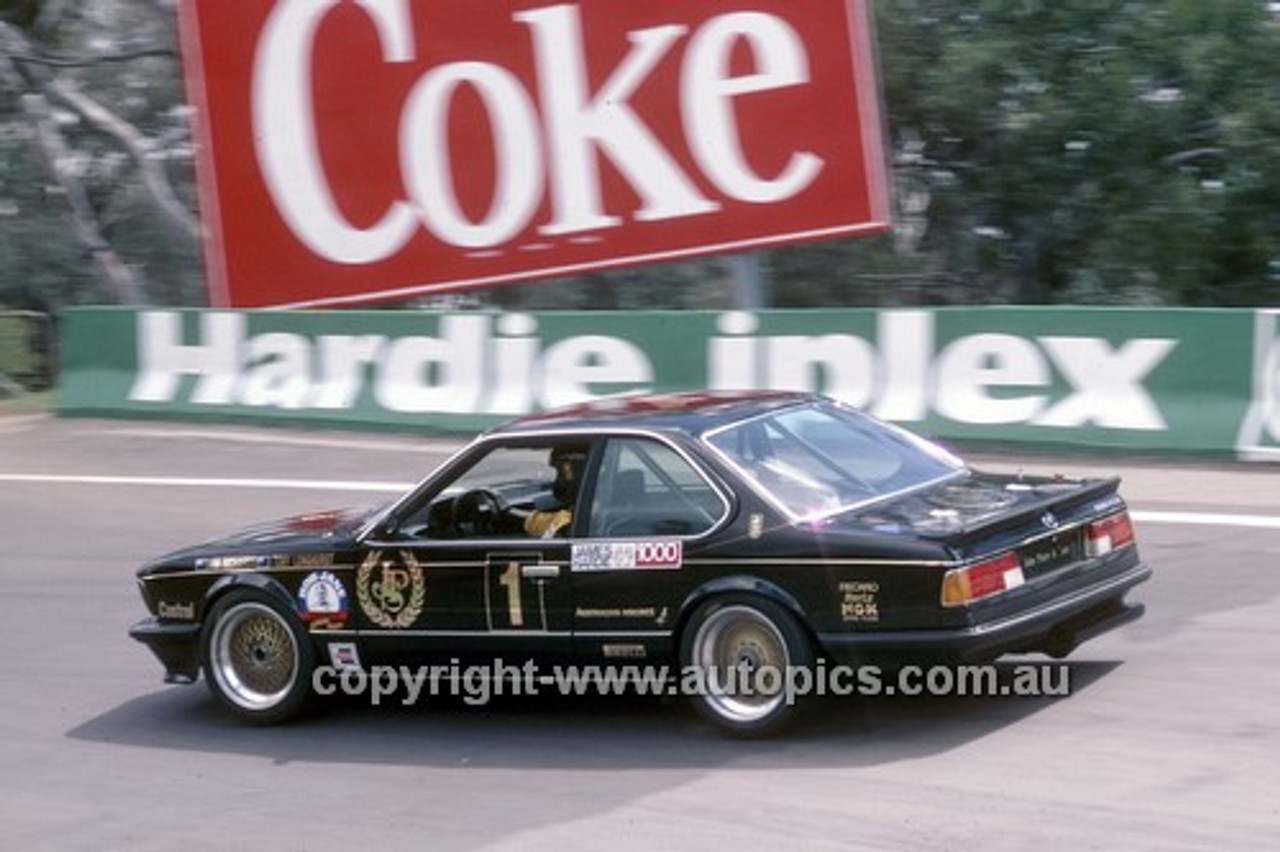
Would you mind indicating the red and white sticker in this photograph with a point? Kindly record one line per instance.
(628, 555)
(344, 655)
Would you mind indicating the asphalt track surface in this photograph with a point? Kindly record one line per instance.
(1170, 738)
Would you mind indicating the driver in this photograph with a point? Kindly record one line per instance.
(548, 521)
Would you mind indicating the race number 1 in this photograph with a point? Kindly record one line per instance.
(512, 600)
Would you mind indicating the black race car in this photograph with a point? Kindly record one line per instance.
(695, 536)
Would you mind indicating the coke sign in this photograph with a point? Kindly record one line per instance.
(364, 150)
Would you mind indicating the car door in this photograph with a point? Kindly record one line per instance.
(437, 585)
(649, 508)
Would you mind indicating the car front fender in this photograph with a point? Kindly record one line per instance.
(252, 580)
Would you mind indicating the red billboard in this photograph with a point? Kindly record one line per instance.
(356, 151)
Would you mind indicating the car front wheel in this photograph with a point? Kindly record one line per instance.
(257, 659)
(744, 653)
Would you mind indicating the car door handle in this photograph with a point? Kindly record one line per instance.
(540, 572)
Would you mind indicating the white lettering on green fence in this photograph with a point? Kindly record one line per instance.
(500, 365)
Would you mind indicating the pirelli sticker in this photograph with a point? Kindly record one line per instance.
(628, 556)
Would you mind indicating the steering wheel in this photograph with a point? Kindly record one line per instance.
(479, 508)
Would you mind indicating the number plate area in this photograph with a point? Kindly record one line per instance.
(1051, 553)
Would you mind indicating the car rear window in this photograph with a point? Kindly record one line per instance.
(820, 459)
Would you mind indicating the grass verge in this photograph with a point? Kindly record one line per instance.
(27, 403)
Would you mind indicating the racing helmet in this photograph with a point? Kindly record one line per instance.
(569, 462)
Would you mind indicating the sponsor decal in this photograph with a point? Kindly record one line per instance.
(859, 601)
(391, 593)
(249, 563)
(596, 612)
(646, 612)
(322, 601)
(178, 611)
(344, 655)
(1106, 504)
(234, 563)
(627, 555)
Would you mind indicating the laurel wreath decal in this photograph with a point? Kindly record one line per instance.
(390, 593)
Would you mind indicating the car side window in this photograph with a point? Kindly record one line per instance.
(488, 499)
(646, 488)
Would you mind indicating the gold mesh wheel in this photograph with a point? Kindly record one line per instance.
(253, 656)
(749, 655)
(744, 658)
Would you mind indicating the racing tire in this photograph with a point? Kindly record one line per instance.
(257, 659)
(740, 653)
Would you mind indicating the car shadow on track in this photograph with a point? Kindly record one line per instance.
(581, 733)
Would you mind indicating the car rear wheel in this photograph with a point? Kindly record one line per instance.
(257, 659)
(745, 652)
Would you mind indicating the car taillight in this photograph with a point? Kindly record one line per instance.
(982, 579)
(1108, 534)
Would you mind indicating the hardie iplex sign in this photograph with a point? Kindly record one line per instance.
(1202, 381)
(363, 150)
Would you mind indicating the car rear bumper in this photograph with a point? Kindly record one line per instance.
(175, 644)
(1056, 628)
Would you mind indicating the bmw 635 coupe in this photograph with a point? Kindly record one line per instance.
(705, 532)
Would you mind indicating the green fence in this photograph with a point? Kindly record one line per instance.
(1160, 380)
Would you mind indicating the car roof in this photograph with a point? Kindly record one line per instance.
(690, 412)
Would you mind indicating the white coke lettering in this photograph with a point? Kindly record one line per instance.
(557, 151)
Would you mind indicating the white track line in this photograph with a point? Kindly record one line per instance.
(340, 442)
(206, 482)
(1214, 519)
(1208, 519)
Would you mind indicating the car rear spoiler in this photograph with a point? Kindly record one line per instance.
(1060, 505)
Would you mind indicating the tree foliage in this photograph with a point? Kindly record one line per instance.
(1099, 151)
(1102, 151)
(97, 189)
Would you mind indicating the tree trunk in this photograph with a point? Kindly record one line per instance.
(118, 277)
